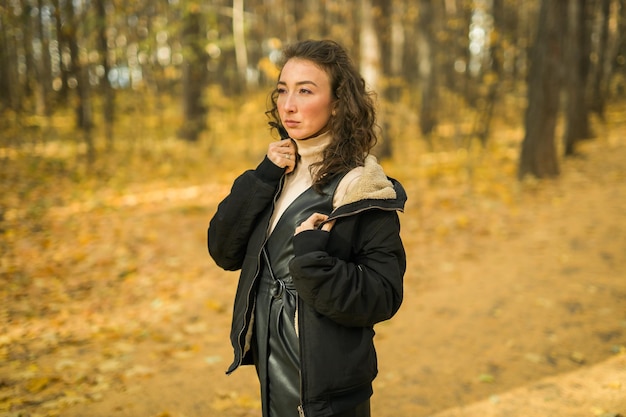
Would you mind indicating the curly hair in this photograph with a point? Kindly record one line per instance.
(353, 123)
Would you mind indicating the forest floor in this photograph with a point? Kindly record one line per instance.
(515, 299)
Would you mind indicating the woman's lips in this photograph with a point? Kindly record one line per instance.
(291, 123)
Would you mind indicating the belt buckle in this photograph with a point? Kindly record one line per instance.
(278, 289)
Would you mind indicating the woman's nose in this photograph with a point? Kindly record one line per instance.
(289, 104)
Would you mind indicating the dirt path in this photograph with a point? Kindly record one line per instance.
(514, 307)
(591, 391)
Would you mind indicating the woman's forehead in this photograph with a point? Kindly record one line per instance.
(298, 69)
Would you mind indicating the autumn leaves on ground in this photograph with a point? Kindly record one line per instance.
(515, 299)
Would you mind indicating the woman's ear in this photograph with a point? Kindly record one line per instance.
(335, 104)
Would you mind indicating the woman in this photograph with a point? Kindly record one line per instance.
(315, 231)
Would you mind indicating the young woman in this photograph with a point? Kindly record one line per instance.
(315, 231)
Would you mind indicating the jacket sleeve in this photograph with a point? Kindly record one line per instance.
(231, 226)
(361, 291)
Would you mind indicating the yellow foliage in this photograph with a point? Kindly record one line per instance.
(38, 384)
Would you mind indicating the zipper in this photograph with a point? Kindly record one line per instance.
(302, 364)
(297, 323)
(351, 213)
(295, 320)
(239, 345)
(243, 328)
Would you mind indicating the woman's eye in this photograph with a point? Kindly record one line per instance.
(305, 91)
(281, 90)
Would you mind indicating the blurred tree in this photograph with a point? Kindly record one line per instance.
(619, 57)
(5, 93)
(601, 67)
(370, 61)
(194, 74)
(577, 51)
(227, 75)
(370, 56)
(105, 83)
(492, 75)
(459, 36)
(27, 39)
(538, 156)
(392, 44)
(79, 78)
(62, 88)
(239, 40)
(43, 66)
(9, 81)
(395, 45)
(426, 59)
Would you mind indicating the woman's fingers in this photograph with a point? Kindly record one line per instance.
(313, 222)
(328, 225)
(283, 154)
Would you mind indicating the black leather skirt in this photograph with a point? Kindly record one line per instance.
(277, 347)
(277, 350)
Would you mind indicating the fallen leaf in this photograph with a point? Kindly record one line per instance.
(38, 384)
(486, 378)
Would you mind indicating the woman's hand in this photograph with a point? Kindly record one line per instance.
(283, 154)
(313, 223)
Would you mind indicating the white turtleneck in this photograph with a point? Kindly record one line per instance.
(298, 181)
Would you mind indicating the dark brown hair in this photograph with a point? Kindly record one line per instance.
(353, 123)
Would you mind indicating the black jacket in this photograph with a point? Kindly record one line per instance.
(347, 280)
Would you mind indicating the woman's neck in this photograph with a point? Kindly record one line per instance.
(311, 149)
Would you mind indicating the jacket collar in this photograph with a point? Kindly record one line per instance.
(373, 184)
(374, 190)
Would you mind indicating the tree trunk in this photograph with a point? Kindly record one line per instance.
(601, 70)
(43, 67)
(427, 45)
(70, 35)
(5, 92)
(62, 37)
(577, 60)
(492, 77)
(29, 66)
(9, 93)
(396, 49)
(239, 36)
(83, 111)
(392, 52)
(618, 59)
(84, 119)
(538, 156)
(194, 77)
(109, 95)
(369, 46)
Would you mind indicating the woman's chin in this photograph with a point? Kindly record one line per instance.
(296, 135)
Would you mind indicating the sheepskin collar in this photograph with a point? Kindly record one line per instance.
(373, 184)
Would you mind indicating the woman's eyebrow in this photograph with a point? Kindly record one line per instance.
(299, 83)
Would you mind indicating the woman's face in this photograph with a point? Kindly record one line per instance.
(304, 98)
